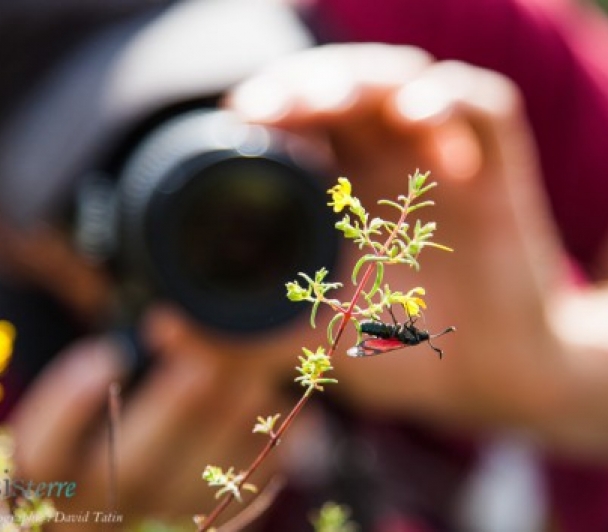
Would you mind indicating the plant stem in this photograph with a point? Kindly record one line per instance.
(275, 437)
(272, 442)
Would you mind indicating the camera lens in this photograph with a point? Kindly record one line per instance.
(217, 216)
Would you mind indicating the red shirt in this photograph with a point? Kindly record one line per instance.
(557, 53)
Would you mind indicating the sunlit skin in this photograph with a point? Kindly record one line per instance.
(509, 365)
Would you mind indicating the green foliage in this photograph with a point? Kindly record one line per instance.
(312, 368)
(227, 482)
(24, 513)
(603, 4)
(385, 243)
(388, 242)
(266, 425)
(314, 292)
(31, 513)
(333, 518)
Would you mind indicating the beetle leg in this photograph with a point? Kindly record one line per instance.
(390, 311)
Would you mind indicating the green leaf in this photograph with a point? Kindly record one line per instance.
(391, 204)
(424, 190)
(438, 246)
(330, 328)
(357, 267)
(326, 380)
(313, 314)
(416, 183)
(265, 425)
(416, 206)
(321, 274)
(378, 279)
(362, 261)
(375, 225)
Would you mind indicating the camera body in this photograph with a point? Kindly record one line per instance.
(213, 214)
(202, 210)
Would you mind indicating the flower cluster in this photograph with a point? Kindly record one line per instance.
(227, 481)
(388, 243)
(266, 425)
(314, 364)
(342, 197)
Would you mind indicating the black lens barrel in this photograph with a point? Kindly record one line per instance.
(217, 216)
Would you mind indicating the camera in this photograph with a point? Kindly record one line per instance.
(124, 146)
(213, 214)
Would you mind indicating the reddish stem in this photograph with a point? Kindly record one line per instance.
(276, 436)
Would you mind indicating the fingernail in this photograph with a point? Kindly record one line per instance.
(422, 100)
(329, 89)
(260, 99)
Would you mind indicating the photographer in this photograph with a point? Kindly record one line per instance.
(527, 355)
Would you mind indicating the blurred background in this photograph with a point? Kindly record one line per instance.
(102, 100)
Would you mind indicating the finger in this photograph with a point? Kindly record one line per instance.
(493, 211)
(320, 84)
(176, 396)
(157, 421)
(478, 135)
(196, 399)
(51, 423)
(186, 405)
(468, 114)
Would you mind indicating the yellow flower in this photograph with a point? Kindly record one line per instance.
(412, 303)
(340, 194)
(7, 337)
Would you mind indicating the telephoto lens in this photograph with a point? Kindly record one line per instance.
(217, 216)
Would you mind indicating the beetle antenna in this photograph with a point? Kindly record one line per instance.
(431, 336)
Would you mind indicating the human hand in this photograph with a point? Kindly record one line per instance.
(195, 406)
(384, 111)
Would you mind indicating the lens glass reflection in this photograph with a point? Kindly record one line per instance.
(242, 228)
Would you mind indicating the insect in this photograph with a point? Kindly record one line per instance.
(385, 337)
